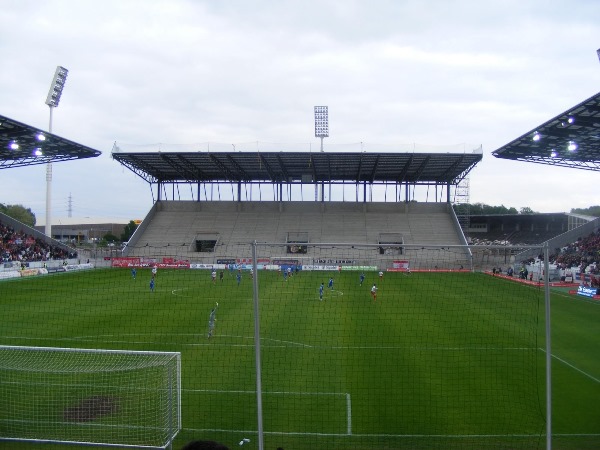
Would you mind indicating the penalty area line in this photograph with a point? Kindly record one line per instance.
(385, 435)
(577, 369)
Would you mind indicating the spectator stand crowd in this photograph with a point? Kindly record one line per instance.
(17, 246)
(583, 254)
(580, 257)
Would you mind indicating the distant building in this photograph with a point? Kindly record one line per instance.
(83, 229)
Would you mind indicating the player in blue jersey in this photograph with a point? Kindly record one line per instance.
(321, 288)
(133, 272)
(330, 284)
(238, 277)
(151, 284)
(362, 278)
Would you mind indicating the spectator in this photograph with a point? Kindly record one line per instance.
(22, 247)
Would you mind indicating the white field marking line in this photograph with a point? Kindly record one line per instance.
(410, 436)
(193, 344)
(335, 293)
(577, 369)
(579, 298)
(174, 291)
(84, 424)
(296, 344)
(95, 337)
(348, 414)
(222, 391)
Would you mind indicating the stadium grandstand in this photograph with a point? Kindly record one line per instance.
(204, 230)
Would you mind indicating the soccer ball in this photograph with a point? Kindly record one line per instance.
(217, 304)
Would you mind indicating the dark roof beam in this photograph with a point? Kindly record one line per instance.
(451, 169)
(282, 167)
(375, 167)
(139, 168)
(228, 173)
(177, 167)
(359, 168)
(402, 175)
(242, 175)
(268, 168)
(186, 166)
(311, 164)
(421, 168)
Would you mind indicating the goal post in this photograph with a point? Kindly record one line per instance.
(88, 396)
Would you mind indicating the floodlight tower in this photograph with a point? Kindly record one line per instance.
(321, 123)
(56, 88)
(321, 131)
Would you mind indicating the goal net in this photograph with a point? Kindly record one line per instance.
(104, 397)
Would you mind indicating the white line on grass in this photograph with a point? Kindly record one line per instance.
(228, 391)
(573, 367)
(409, 436)
(577, 298)
(348, 414)
(334, 293)
(264, 339)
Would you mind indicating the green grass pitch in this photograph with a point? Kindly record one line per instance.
(439, 360)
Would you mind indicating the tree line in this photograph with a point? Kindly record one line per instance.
(481, 209)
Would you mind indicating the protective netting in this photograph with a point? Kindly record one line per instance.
(373, 347)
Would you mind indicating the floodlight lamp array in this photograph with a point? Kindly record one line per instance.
(571, 145)
(321, 121)
(570, 121)
(56, 88)
(17, 145)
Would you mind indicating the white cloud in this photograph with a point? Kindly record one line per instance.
(434, 73)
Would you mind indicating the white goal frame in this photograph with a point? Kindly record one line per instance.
(90, 396)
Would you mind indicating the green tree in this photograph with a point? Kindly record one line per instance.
(526, 210)
(591, 211)
(20, 213)
(128, 231)
(109, 237)
(481, 209)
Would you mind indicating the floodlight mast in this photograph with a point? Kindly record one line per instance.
(321, 131)
(56, 88)
(321, 123)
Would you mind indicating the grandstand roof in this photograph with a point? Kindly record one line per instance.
(301, 167)
(51, 148)
(549, 143)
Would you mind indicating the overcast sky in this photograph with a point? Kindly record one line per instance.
(431, 74)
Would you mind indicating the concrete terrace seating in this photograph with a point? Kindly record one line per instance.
(174, 225)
